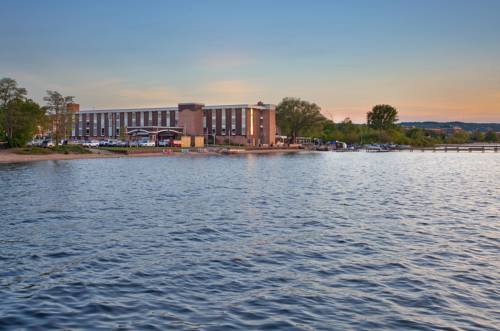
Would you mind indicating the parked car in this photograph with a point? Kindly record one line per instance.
(35, 143)
(91, 144)
(164, 143)
(111, 143)
(47, 143)
(103, 143)
(147, 143)
(121, 143)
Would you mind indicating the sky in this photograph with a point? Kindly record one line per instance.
(431, 59)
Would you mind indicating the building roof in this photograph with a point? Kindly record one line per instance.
(124, 110)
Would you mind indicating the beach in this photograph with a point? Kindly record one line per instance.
(10, 155)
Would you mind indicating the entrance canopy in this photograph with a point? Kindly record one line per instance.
(154, 130)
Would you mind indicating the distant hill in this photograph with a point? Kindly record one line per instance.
(450, 125)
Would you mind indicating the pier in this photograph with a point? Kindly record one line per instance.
(458, 148)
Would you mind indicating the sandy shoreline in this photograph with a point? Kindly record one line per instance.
(9, 156)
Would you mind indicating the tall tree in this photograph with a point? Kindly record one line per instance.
(20, 120)
(9, 91)
(19, 117)
(57, 109)
(382, 117)
(295, 116)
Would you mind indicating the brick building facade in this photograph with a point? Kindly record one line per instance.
(243, 124)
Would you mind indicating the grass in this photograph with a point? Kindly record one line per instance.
(132, 150)
(70, 149)
(33, 151)
(63, 149)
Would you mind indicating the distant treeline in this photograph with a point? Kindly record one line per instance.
(483, 127)
(299, 118)
(397, 134)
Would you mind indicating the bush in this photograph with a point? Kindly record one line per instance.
(65, 149)
(70, 149)
(34, 151)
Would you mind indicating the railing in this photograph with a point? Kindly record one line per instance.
(458, 148)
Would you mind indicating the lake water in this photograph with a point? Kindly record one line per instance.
(331, 241)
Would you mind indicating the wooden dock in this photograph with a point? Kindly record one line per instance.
(458, 148)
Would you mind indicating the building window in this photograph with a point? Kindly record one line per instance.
(118, 120)
(73, 121)
(251, 121)
(87, 131)
(243, 122)
(214, 120)
(110, 124)
(176, 118)
(102, 125)
(233, 121)
(223, 121)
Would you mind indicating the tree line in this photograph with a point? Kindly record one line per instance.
(21, 118)
(300, 118)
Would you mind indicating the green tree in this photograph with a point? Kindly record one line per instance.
(295, 117)
(382, 117)
(20, 120)
(459, 137)
(491, 136)
(476, 136)
(9, 91)
(350, 132)
(19, 117)
(420, 137)
(328, 130)
(57, 109)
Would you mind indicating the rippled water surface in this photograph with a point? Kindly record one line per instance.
(331, 241)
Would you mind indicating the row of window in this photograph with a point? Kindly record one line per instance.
(112, 122)
(109, 124)
(224, 130)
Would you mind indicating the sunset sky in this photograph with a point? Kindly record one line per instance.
(433, 60)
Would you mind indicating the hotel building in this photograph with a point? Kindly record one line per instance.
(243, 124)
